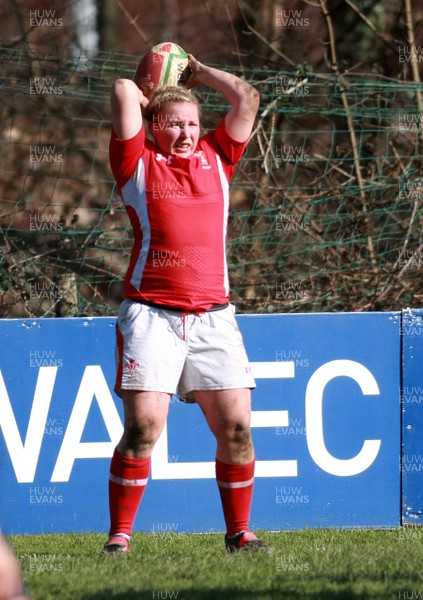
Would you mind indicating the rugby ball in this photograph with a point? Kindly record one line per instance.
(165, 64)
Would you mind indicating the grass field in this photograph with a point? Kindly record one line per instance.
(315, 564)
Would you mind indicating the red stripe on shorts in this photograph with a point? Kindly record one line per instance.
(119, 340)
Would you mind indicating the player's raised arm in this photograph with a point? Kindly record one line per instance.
(127, 100)
(244, 98)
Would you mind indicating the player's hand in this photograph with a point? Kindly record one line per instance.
(194, 72)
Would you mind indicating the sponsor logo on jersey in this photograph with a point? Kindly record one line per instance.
(203, 159)
(160, 157)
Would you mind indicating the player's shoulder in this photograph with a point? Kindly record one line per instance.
(125, 154)
(211, 138)
(220, 142)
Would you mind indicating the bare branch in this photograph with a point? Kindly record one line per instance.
(414, 58)
(382, 36)
(133, 22)
(353, 137)
(263, 39)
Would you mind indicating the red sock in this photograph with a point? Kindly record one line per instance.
(128, 480)
(236, 484)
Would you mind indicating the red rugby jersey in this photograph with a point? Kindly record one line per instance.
(178, 208)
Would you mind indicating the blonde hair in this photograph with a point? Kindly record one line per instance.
(168, 94)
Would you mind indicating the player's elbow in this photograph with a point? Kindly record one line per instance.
(123, 87)
(123, 83)
(252, 100)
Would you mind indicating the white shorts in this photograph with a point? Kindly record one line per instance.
(168, 351)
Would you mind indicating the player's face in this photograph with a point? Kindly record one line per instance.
(177, 128)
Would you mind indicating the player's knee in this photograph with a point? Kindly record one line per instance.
(236, 444)
(140, 437)
(239, 435)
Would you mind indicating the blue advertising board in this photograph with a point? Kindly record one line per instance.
(412, 407)
(326, 428)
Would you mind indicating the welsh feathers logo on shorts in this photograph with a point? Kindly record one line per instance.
(130, 369)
